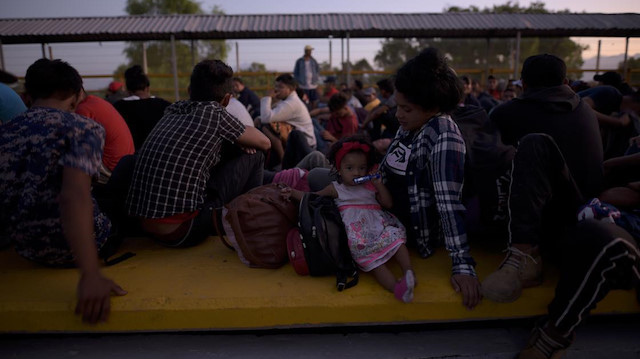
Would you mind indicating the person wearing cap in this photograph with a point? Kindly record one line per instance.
(372, 99)
(556, 169)
(115, 92)
(306, 72)
(614, 79)
(329, 89)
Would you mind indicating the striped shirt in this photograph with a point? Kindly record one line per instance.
(434, 177)
(174, 164)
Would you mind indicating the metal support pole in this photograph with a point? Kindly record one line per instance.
(1, 57)
(348, 59)
(44, 53)
(598, 57)
(237, 57)
(516, 62)
(330, 53)
(174, 65)
(625, 64)
(50, 52)
(342, 55)
(486, 62)
(145, 68)
(193, 53)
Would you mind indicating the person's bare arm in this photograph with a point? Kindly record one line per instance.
(607, 120)
(622, 162)
(254, 138)
(318, 111)
(383, 196)
(289, 193)
(375, 113)
(76, 213)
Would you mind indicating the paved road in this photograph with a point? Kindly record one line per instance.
(617, 338)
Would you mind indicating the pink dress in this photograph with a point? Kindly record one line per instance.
(374, 235)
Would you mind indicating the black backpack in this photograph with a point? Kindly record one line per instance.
(324, 240)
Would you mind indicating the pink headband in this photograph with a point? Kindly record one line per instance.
(348, 147)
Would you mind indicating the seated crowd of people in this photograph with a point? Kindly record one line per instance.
(550, 168)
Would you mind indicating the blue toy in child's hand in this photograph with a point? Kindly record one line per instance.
(366, 178)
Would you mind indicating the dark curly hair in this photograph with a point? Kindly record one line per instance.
(427, 81)
(373, 157)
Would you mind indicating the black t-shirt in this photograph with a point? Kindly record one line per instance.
(141, 116)
(251, 101)
(397, 185)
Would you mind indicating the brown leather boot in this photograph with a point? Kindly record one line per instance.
(518, 270)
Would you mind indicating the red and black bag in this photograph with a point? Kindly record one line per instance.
(318, 246)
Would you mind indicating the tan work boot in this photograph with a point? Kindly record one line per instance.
(518, 270)
(546, 343)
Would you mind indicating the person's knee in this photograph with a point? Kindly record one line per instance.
(319, 178)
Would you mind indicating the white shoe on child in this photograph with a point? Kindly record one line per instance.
(403, 290)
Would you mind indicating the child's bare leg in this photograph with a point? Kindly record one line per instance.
(402, 257)
(385, 277)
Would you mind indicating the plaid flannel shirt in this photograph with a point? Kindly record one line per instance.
(174, 164)
(434, 183)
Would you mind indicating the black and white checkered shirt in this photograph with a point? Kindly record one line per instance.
(174, 164)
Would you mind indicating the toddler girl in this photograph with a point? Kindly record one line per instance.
(375, 236)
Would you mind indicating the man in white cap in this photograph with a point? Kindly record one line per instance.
(306, 73)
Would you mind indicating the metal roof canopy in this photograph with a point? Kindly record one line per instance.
(422, 25)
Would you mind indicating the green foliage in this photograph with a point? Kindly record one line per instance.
(188, 53)
(162, 7)
(471, 54)
(258, 78)
(633, 63)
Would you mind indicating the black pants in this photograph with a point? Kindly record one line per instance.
(237, 174)
(593, 256)
(543, 197)
(297, 148)
(596, 257)
(111, 197)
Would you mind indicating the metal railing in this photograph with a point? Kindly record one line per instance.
(267, 78)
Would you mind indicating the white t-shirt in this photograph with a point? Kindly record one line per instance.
(237, 110)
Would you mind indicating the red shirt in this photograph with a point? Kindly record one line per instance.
(342, 126)
(118, 141)
(330, 92)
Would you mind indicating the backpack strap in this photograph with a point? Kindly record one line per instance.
(343, 282)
